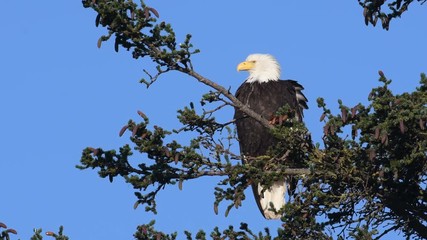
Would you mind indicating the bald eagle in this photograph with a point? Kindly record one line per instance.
(265, 94)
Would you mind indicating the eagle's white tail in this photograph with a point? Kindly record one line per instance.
(275, 195)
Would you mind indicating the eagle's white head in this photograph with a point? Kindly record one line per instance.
(261, 68)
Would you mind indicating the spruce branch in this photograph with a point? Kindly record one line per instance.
(354, 183)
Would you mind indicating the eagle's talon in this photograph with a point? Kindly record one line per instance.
(273, 121)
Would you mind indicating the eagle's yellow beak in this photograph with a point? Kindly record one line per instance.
(245, 66)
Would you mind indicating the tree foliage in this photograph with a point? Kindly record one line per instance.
(374, 10)
(368, 172)
(5, 234)
(377, 174)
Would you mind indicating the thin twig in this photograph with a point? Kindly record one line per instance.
(209, 112)
(288, 171)
(387, 231)
(154, 78)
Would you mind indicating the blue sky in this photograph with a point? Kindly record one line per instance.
(59, 93)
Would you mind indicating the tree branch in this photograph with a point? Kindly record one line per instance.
(411, 220)
(235, 102)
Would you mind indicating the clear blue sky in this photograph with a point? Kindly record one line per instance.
(59, 93)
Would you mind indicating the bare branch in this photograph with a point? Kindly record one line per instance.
(154, 78)
(233, 99)
(209, 112)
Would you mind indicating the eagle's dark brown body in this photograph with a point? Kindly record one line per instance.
(265, 99)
